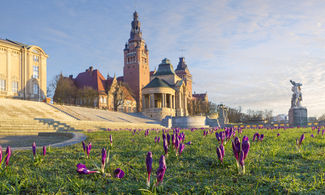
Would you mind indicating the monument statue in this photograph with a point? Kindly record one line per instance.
(296, 96)
(297, 113)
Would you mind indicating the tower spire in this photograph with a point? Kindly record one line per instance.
(135, 33)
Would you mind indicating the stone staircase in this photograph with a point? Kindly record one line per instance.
(21, 117)
(16, 126)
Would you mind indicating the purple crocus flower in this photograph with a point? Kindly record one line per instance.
(34, 149)
(158, 139)
(278, 134)
(188, 143)
(222, 135)
(104, 156)
(302, 137)
(119, 173)
(161, 169)
(261, 137)
(111, 139)
(219, 154)
(165, 145)
(82, 169)
(88, 148)
(173, 139)
(222, 149)
(44, 150)
(149, 166)
(168, 139)
(245, 147)
(176, 143)
(312, 135)
(163, 136)
(181, 148)
(323, 131)
(236, 148)
(8, 155)
(256, 137)
(217, 136)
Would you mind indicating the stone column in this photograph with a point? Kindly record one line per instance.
(173, 103)
(170, 101)
(179, 100)
(152, 101)
(163, 102)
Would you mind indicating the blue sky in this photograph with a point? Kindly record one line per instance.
(243, 53)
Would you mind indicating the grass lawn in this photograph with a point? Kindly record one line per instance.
(273, 165)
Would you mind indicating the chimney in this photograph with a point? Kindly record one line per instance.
(91, 68)
(70, 76)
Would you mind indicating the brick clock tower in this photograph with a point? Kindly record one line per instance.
(136, 62)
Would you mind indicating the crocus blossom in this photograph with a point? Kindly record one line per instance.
(165, 145)
(111, 139)
(261, 137)
(44, 150)
(8, 155)
(161, 169)
(256, 137)
(88, 148)
(245, 146)
(119, 173)
(34, 149)
(299, 141)
(181, 148)
(168, 139)
(149, 166)
(82, 169)
(176, 143)
(236, 149)
(104, 158)
(188, 143)
(220, 153)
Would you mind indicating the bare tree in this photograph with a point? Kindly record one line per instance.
(65, 90)
(120, 94)
(321, 118)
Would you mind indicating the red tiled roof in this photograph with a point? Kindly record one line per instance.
(93, 79)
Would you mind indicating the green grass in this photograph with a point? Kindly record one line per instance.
(272, 166)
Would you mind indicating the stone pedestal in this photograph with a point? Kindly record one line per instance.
(298, 117)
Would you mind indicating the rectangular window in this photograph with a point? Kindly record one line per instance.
(14, 86)
(35, 72)
(35, 89)
(2, 85)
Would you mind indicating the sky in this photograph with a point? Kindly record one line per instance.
(242, 53)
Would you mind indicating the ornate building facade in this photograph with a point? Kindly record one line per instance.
(166, 94)
(22, 71)
(110, 94)
(136, 62)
